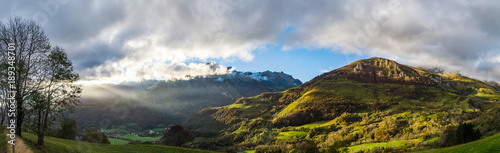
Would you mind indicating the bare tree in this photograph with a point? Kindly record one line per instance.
(31, 45)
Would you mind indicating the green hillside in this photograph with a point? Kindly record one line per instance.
(56, 145)
(370, 103)
(487, 145)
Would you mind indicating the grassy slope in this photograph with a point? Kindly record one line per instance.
(291, 134)
(117, 141)
(366, 146)
(487, 145)
(56, 145)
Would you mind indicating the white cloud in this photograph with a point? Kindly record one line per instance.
(134, 40)
(422, 33)
(155, 70)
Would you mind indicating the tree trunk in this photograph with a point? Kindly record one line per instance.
(40, 140)
(44, 123)
(20, 114)
(3, 114)
(39, 131)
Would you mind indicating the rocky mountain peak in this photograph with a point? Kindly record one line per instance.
(378, 70)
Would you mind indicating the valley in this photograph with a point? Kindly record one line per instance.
(143, 111)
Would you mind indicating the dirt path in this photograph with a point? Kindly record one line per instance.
(21, 147)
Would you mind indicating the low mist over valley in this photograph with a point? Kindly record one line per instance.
(150, 104)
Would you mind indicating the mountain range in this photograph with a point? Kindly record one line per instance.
(368, 103)
(142, 105)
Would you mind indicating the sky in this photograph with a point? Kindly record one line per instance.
(117, 40)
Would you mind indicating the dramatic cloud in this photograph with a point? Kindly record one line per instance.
(155, 39)
(457, 36)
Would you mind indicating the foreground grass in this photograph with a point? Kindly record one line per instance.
(117, 141)
(3, 139)
(56, 145)
(487, 145)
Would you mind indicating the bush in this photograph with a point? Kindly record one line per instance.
(176, 136)
(301, 147)
(462, 134)
(231, 150)
(94, 136)
(382, 136)
(68, 129)
(338, 147)
(385, 150)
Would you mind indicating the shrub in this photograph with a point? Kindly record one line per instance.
(338, 147)
(176, 136)
(68, 129)
(94, 136)
(462, 134)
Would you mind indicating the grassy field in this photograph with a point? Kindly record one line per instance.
(117, 141)
(291, 134)
(391, 144)
(158, 129)
(488, 145)
(135, 138)
(316, 124)
(252, 108)
(114, 130)
(55, 145)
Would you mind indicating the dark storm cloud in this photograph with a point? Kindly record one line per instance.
(123, 39)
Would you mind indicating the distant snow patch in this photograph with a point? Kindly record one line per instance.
(258, 76)
(219, 79)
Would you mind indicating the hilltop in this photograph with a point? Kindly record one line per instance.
(371, 102)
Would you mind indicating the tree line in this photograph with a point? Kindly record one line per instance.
(44, 77)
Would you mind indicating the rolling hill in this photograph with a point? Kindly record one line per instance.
(368, 103)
